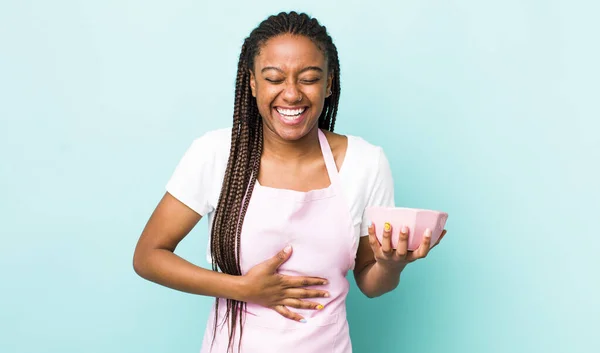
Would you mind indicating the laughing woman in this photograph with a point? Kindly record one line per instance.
(285, 199)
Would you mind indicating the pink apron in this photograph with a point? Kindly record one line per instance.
(319, 227)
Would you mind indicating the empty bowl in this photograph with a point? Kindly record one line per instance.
(417, 220)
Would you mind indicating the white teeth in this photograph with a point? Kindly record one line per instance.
(290, 112)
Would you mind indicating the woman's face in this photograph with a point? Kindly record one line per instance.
(290, 82)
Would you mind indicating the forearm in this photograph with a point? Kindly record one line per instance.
(375, 280)
(167, 269)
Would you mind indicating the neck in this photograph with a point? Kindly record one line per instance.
(304, 148)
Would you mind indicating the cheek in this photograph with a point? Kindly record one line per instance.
(317, 90)
(266, 94)
(316, 94)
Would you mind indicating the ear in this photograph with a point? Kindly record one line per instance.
(252, 83)
(329, 84)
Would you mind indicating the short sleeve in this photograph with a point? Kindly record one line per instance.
(382, 190)
(191, 181)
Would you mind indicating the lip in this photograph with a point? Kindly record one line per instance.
(293, 122)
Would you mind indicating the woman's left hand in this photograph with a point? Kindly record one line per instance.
(386, 256)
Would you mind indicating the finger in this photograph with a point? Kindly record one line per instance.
(301, 293)
(439, 239)
(301, 304)
(285, 312)
(299, 282)
(386, 243)
(373, 241)
(423, 249)
(280, 258)
(402, 248)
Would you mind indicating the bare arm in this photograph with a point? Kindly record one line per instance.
(378, 266)
(154, 257)
(373, 279)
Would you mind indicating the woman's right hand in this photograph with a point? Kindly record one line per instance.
(265, 286)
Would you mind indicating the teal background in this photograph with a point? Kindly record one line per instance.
(486, 109)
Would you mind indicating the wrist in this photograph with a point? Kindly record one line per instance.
(391, 270)
(239, 288)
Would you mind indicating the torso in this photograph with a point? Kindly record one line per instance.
(365, 179)
(319, 227)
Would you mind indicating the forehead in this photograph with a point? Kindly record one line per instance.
(289, 52)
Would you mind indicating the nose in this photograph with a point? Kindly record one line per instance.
(291, 93)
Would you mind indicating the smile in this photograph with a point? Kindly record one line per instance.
(291, 116)
(290, 113)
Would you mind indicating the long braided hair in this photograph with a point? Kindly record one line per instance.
(247, 145)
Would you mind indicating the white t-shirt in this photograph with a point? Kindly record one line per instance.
(365, 175)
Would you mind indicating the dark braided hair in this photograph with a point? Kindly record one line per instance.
(247, 145)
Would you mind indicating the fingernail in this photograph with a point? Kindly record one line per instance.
(303, 321)
(325, 282)
(287, 249)
(428, 233)
(319, 307)
(404, 229)
(326, 295)
(387, 227)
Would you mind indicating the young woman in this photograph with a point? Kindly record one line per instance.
(285, 199)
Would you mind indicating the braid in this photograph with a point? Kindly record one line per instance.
(247, 145)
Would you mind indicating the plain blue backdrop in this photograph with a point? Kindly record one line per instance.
(486, 109)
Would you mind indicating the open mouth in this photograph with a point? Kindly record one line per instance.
(291, 116)
(290, 113)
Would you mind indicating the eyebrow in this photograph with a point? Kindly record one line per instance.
(308, 68)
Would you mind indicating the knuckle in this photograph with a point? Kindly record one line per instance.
(305, 282)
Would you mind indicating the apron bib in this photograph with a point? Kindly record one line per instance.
(319, 227)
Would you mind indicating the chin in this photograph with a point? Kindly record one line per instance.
(291, 134)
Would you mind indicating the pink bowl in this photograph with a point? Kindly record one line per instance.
(417, 220)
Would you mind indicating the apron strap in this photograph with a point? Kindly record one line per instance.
(334, 177)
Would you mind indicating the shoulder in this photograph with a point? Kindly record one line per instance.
(366, 167)
(353, 147)
(365, 153)
(214, 139)
(196, 180)
(207, 153)
(367, 179)
(211, 146)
